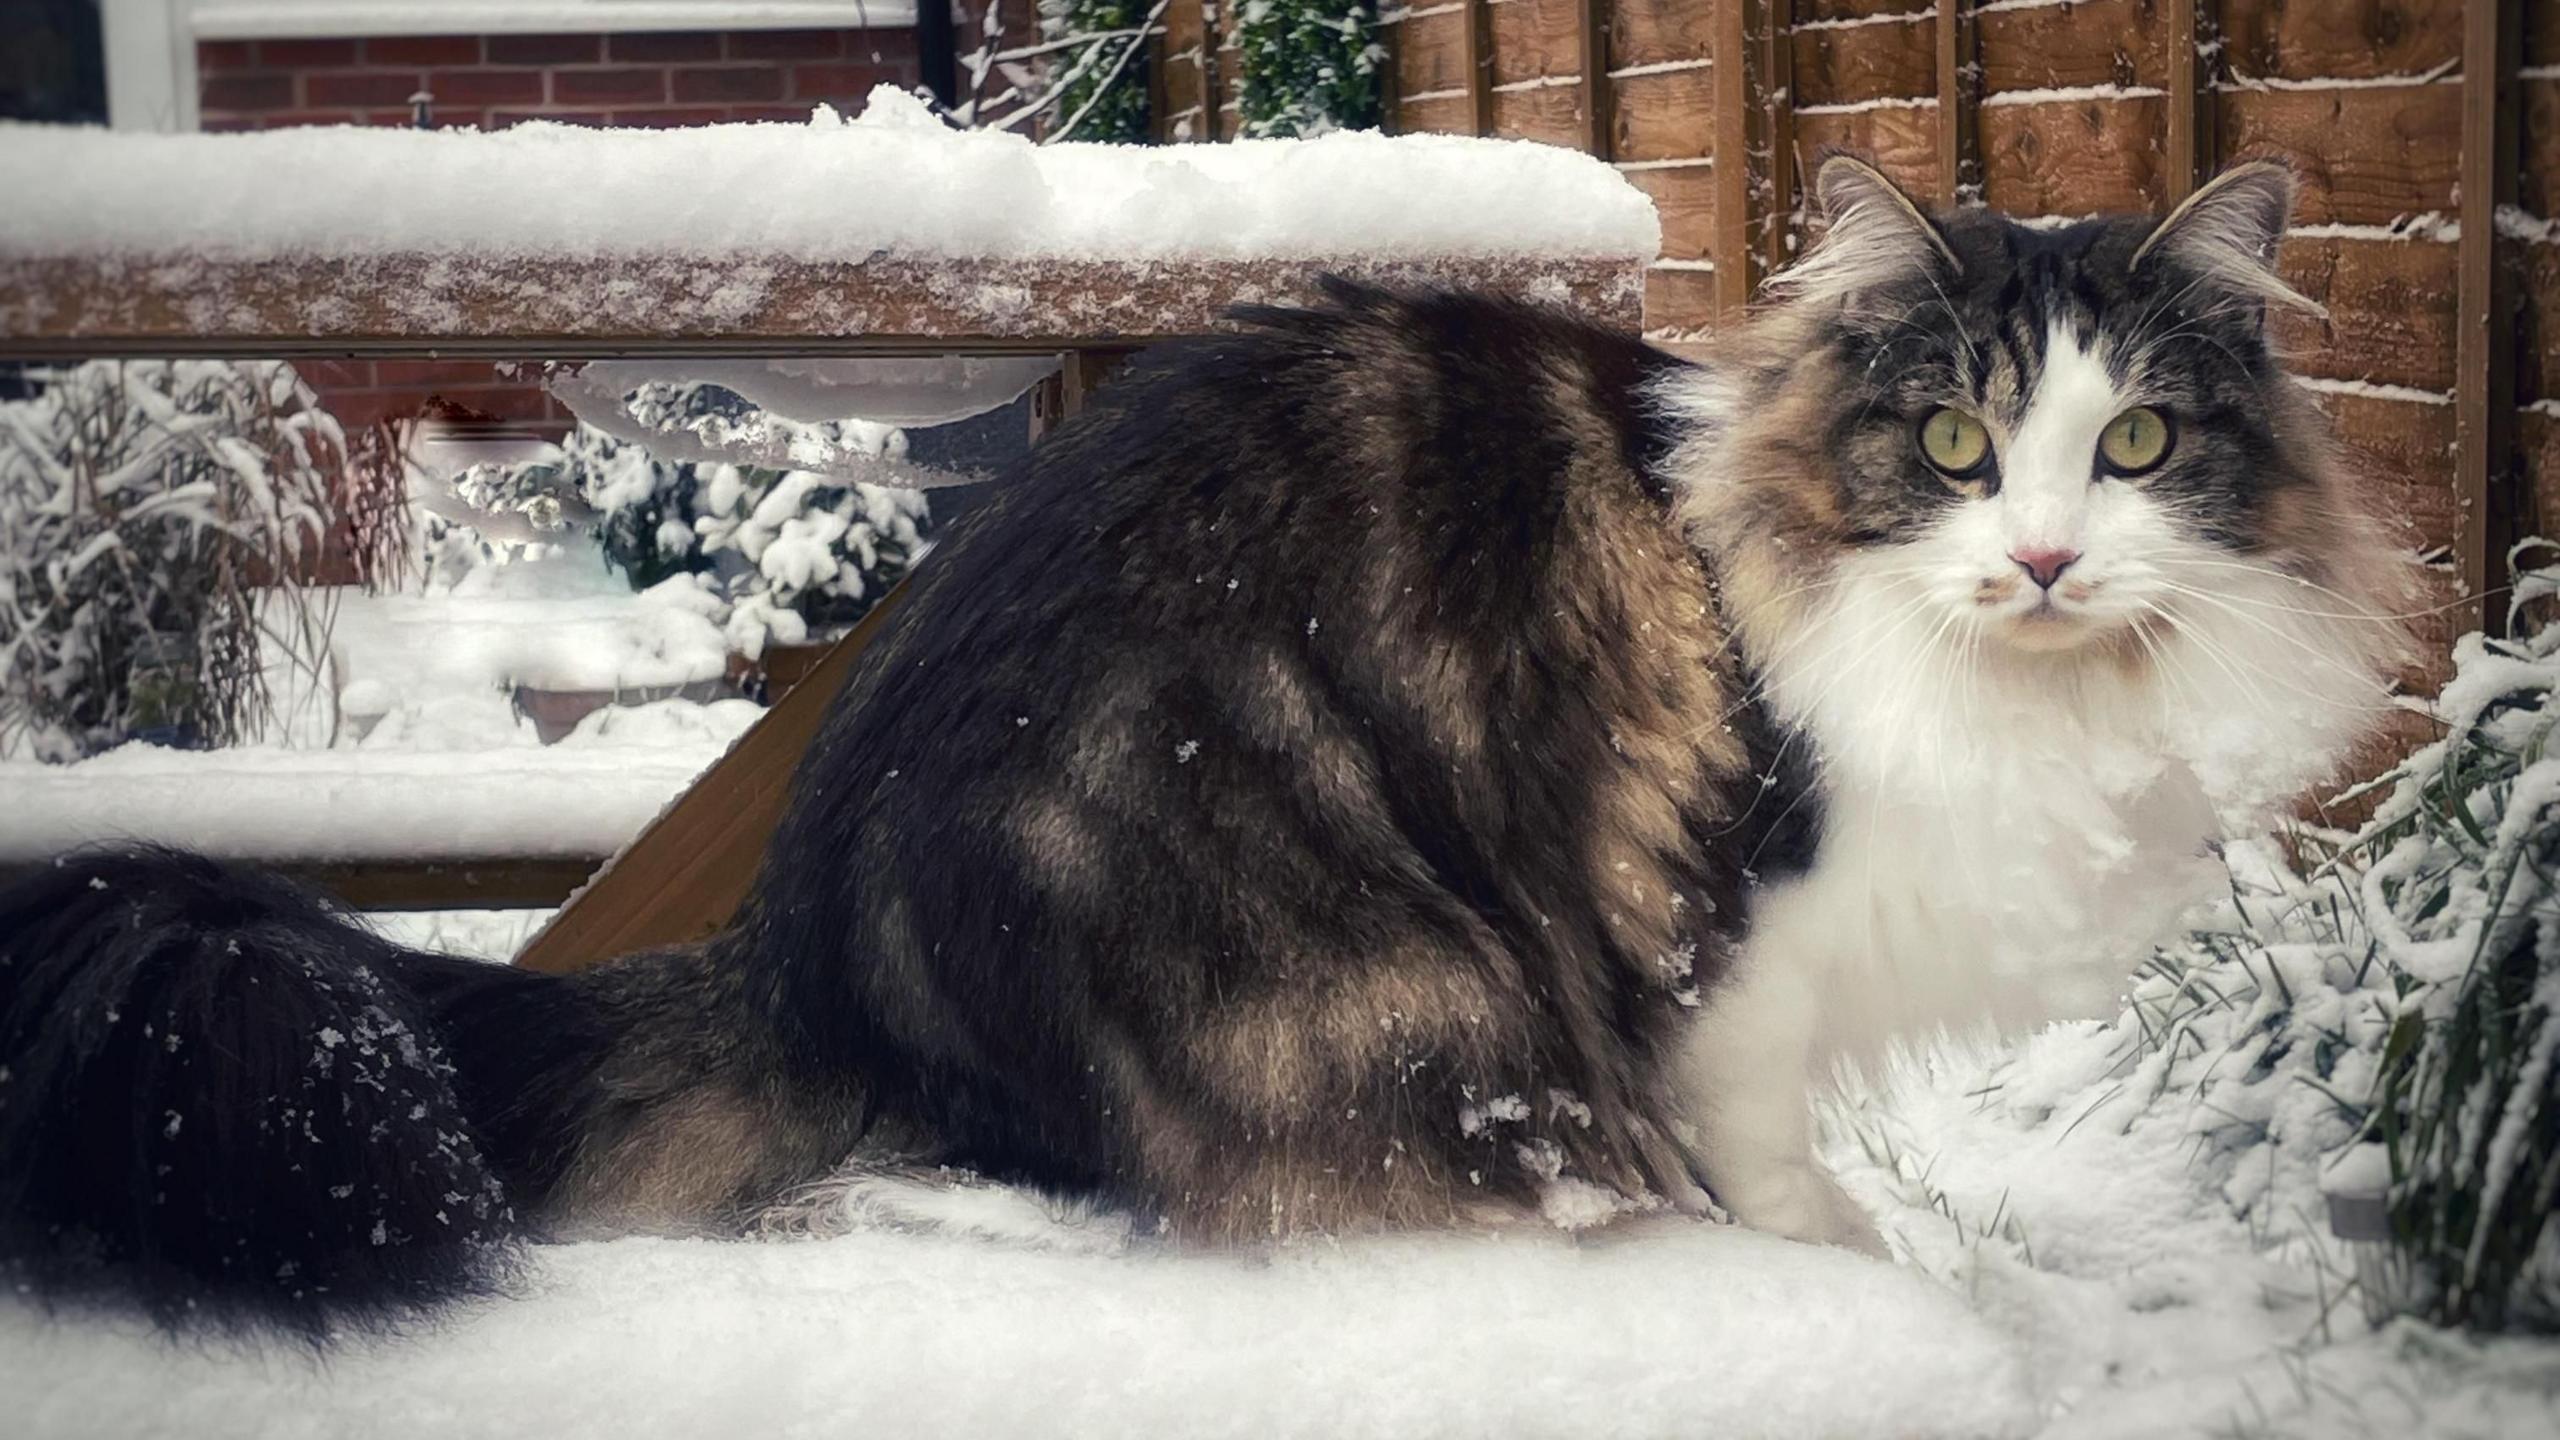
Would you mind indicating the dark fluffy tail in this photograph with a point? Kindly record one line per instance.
(221, 1100)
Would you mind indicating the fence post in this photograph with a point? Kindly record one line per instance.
(2194, 140)
(2484, 398)
(1599, 120)
(1477, 58)
(1959, 105)
(1754, 145)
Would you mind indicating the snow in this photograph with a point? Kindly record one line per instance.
(894, 180)
(259, 19)
(432, 762)
(1705, 1331)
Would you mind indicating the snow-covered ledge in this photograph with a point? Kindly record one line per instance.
(886, 233)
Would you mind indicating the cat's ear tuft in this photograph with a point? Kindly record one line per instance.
(2227, 232)
(1876, 236)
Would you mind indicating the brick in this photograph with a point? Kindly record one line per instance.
(388, 119)
(486, 87)
(608, 87)
(786, 45)
(224, 124)
(246, 92)
(303, 54)
(730, 83)
(501, 119)
(662, 47)
(458, 117)
(545, 49)
(361, 87)
(313, 117)
(225, 55)
(670, 117)
(787, 114)
(423, 50)
(840, 82)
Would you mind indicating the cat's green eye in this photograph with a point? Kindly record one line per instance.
(1954, 443)
(2136, 441)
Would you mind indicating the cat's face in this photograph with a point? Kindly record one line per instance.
(2055, 436)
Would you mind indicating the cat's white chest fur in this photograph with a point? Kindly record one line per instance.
(2008, 889)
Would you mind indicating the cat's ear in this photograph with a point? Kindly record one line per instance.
(2227, 232)
(1876, 236)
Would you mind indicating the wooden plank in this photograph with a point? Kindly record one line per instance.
(1477, 65)
(80, 306)
(1667, 115)
(1731, 87)
(1902, 141)
(1431, 61)
(1646, 33)
(2484, 400)
(1535, 40)
(2391, 307)
(514, 883)
(2193, 135)
(2092, 43)
(2072, 157)
(1685, 198)
(1550, 115)
(1599, 134)
(1959, 73)
(1838, 66)
(1777, 134)
(2315, 40)
(2368, 155)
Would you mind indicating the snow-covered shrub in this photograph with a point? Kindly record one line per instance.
(156, 518)
(1099, 69)
(1310, 66)
(2383, 1019)
(2462, 891)
(791, 553)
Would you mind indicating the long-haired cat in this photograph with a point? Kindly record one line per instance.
(1417, 761)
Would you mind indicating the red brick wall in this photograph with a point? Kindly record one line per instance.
(685, 78)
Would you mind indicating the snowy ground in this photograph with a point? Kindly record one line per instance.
(2072, 1265)
(2095, 1238)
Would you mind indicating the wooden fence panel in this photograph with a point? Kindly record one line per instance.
(2076, 108)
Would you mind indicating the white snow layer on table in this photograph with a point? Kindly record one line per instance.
(261, 19)
(895, 179)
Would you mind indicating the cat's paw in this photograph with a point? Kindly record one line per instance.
(944, 1203)
(1802, 1203)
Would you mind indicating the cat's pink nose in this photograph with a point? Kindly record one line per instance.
(2045, 565)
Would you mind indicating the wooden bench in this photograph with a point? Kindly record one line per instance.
(685, 874)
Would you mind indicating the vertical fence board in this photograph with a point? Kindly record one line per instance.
(1959, 105)
(1598, 118)
(1731, 85)
(2484, 329)
(1478, 63)
(2193, 140)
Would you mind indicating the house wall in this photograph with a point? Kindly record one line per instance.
(656, 79)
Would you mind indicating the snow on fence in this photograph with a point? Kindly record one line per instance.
(887, 232)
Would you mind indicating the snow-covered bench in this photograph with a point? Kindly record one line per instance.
(888, 234)
(885, 234)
